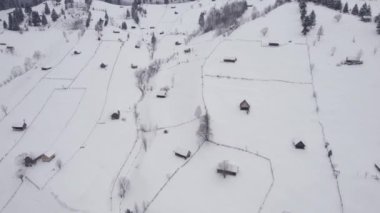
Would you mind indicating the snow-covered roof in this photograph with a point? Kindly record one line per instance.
(49, 153)
(162, 93)
(227, 166)
(181, 151)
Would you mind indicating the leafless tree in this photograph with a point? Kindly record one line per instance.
(123, 186)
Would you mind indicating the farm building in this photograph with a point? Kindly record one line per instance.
(230, 59)
(45, 68)
(350, 61)
(103, 65)
(188, 50)
(177, 43)
(76, 52)
(29, 162)
(115, 115)
(299, 145)
(162, 94)
(116, 31)
(244, 106)
(225, 168)
(182, 153)
(133, 66)
(273, 44)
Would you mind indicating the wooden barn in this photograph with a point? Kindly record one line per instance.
(188, 50)
(182, 153)
(299, 145)
(273, 44)
(45, 68)
(19, 127)
(47, 156)
(225, 168)
(133, 66)
(177, 43)
(350, 61)
(230, 59)
(244, 106)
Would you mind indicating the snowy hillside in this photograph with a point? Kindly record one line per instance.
(150, 117)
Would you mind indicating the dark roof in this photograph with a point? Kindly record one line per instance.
(300, 145)
(244, 104)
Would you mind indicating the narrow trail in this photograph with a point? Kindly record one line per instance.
(259, 80)
(322, 128)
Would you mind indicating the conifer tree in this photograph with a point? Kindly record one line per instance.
(355, 10)
(345, 8)
(47, 9)
(44, 20)
(54, 15)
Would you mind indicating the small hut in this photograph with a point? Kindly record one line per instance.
(20, 127)
(177, 43)
(273, 44)
(133, 66)
(115, 115)
(133, 27)
(162, 94)
(47, 157)
(137, 46)
(188, 50)
(230, 59)
(244, 106)
(162, 32)
(103, 65)
(377, 166)
(225, 168)
(45, 68)
(182, 153)
(299, 145)
(76, 52)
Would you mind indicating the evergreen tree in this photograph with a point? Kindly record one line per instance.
(28, 10)
(369, 11)
(355, 10)
(303, 13)
(36, 19)
(128, 14)
(47, 9)
(338, 5)
(166, 1)
(363, 10)
(88, 21)
(201, 20)
(44, 20)
(5, 25)
(378, 27)
(54, 15)
(312, 18)
(345, 8)
(306, 25)
(124, 26)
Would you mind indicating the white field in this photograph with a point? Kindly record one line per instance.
(296, 92)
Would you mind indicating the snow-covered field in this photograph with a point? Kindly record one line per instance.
(297, 91)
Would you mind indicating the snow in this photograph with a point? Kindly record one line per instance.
(298, 91)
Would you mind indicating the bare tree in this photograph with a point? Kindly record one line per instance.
(123, 186)
(264, 31)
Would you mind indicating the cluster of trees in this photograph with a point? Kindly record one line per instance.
(377, 20)
(308, 21)
(136, 9)
(69, 4)
(14, 20)
(222, 18)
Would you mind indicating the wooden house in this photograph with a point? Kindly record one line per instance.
(188, 50)
(351, 61)
(244, 106)
(230, 59)
(133, 66)
(225, 168)
(47, 157)
(162, 94)
(19, 127)
(273, 44)
(182, 153)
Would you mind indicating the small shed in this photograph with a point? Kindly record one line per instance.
(133, 27)
(137, 46)
(162, 94)
(115, 115)
(76, 52)
(162, 32)
(116, 31)
(226, 168)
(377, 166)
(152, 27)
(47, 157)
(177, 43)
(366, 18)
(230, 59)
(133, 66)
(20, 127)
(182, 153)
(299, 145)
(244, 106)
(351, 61)
(188, 50)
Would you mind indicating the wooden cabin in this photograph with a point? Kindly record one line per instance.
(116, 31)
(299, 145)
(377, 166)
(76, 52)
(177, 43)
(115, 115)
(137, 46)
(162, 94)
(350, 61)
(133, 66)
(133, 27)
(225, 168)
(152, 27)
(230, 60)
(244, 106)
(182, 153)
(161, 33)
(188, 50)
